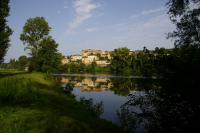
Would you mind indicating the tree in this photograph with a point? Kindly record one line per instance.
(5, 30)
(187, 21)
(156, 50)
(94, 65)
(73, 67)
(99, 55)
(120, 59)
(82, 67)
(162, 50)
(47, 59)
(13, 63)
(34, 30)
(23, 60)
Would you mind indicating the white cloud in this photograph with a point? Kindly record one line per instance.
(84, 6)
(148, 12)
(135, 16)
(83, 12)
(152, 11)
(149, 33)
(65, 7)
(92, 29)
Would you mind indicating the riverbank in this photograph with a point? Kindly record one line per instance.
(34, 102)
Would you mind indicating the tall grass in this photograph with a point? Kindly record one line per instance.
(15, 90)
(30, 103)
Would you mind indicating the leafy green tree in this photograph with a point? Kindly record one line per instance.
(34, 30)
(120, 59)
(73, 67)
(13, 63)
(162, 51)
(142, 59)
(106, 58)
(156, 50)
(93, 65)
(133, 62)
(23, 60)
(58, 60)
(187, 21)
(99, 55)
(82, 67)
(5, 30)
(47, 58)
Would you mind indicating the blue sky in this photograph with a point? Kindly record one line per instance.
(94, 24)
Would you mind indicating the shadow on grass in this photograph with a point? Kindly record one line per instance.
(8, 73)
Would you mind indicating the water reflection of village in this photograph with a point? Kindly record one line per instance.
(89, 84)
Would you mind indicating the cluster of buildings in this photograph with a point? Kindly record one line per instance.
(88, 56)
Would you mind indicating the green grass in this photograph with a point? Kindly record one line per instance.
(34, 102)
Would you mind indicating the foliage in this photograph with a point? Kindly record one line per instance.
(126, 120)
(82, 67)
(175, 107)
(5, 30)
(16, 91)
(34, 30)
(63, 68)
(120, 59)
(73, 67)
(23, 62)
(5, 66)
(187, 21)
(42, 47)
(68, 88)
(19, 64)
(122, 86)
(102, 69)
(13, 63)
(172, 108)
(98, 108)
(92, 67)
(123, 61)
(47, 58)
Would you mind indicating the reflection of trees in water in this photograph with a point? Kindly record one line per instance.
(68, 88)
(174, 109)
(120, 86)
(123, 86)
(97, 108)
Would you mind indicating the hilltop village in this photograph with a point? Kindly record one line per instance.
(88, 56)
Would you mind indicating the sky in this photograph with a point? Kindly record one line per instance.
(93, 24)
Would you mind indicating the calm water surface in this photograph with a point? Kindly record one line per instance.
(101, 88)
(142, 104)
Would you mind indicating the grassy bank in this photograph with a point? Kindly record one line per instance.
(33, 102)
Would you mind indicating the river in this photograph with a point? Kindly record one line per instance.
(135, 103)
